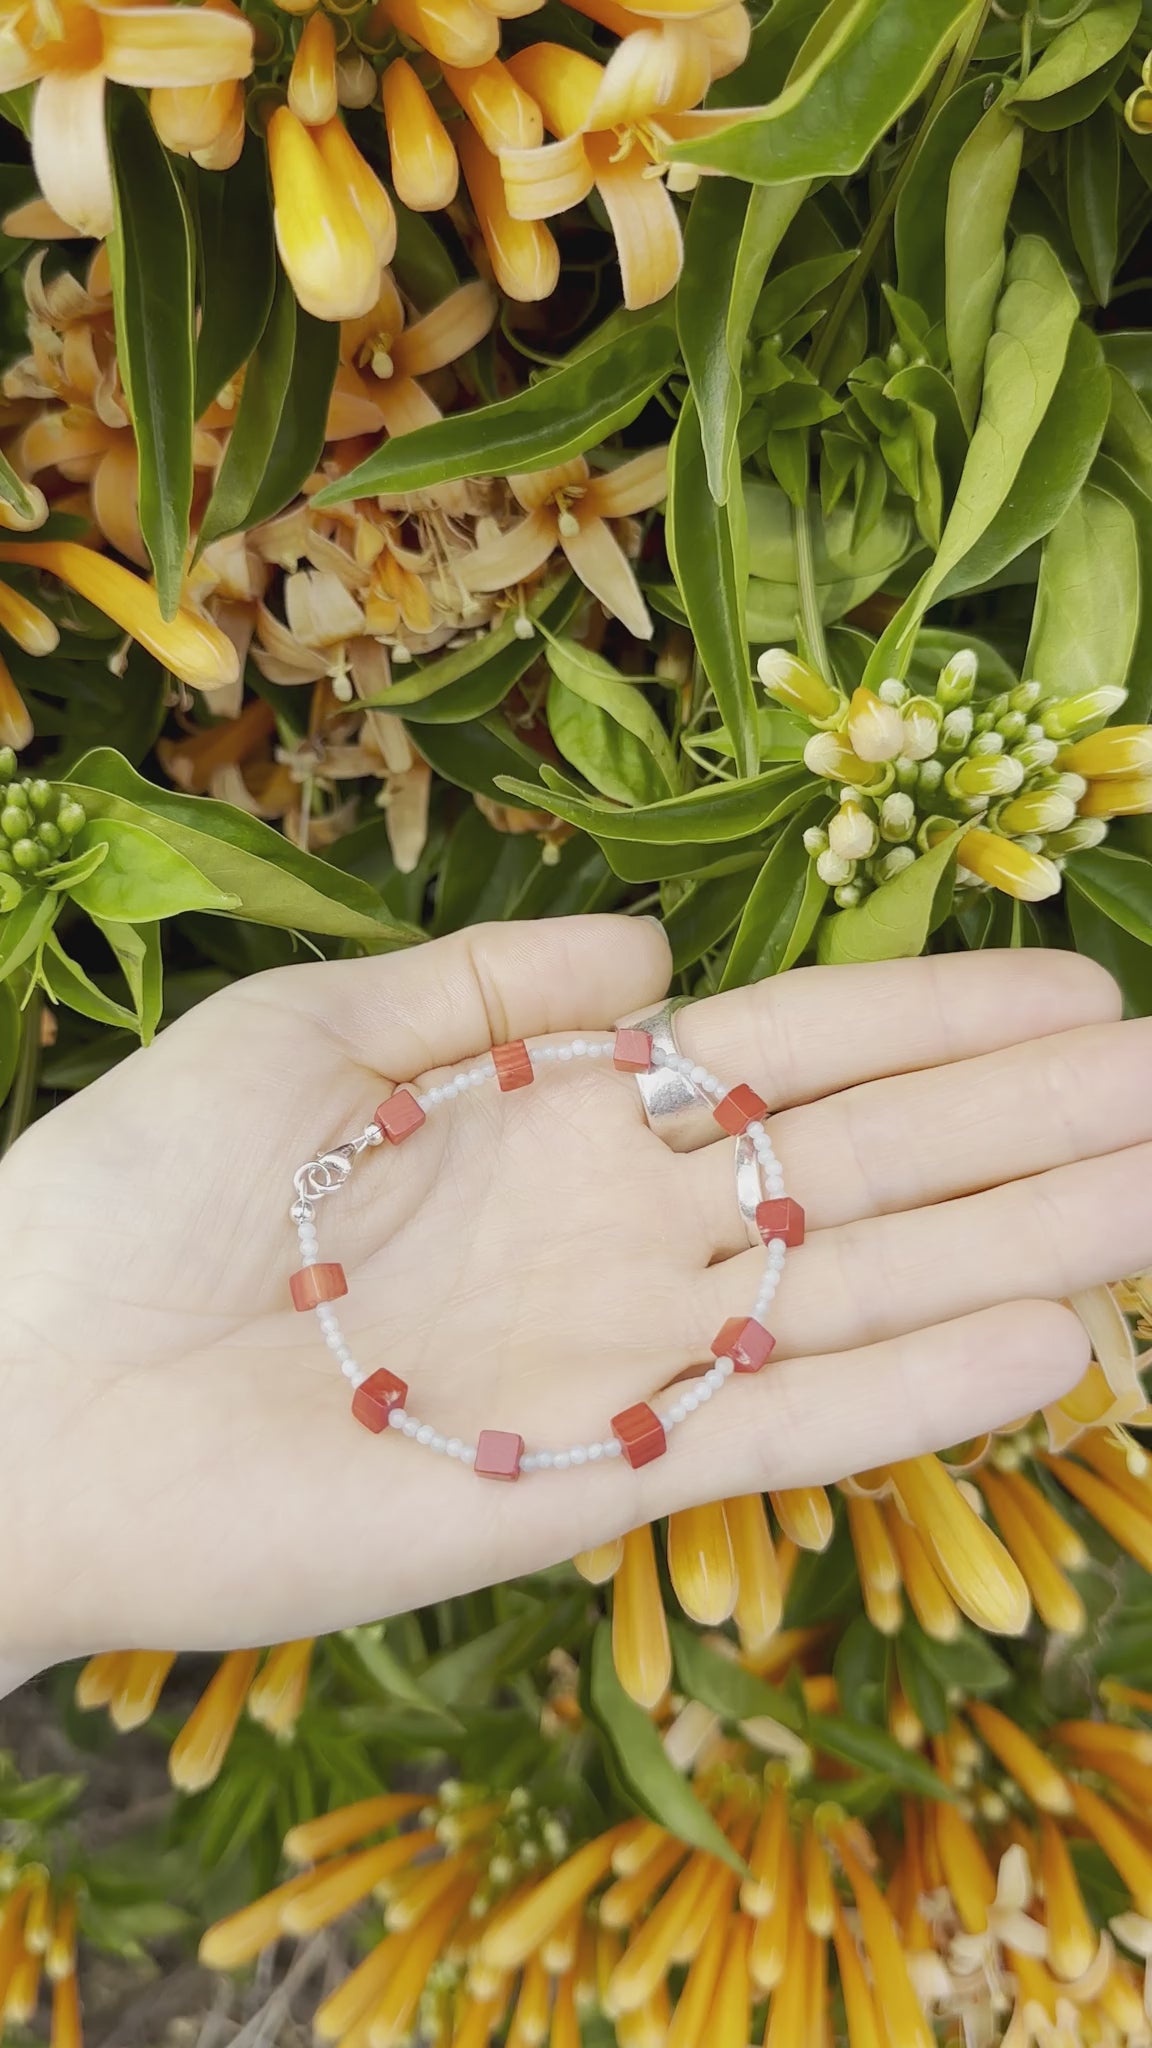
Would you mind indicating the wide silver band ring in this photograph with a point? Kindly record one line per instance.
(676, 1111)
(682, 1117)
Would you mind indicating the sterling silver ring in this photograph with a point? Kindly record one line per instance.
(749, 1188)
(676, 1110)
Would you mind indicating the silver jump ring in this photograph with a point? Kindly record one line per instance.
(675, 1110)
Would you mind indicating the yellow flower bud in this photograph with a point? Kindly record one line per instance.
(829, 755)
(1138, 111)
(1117, 750)
(1122, 797)
(792, 682)
(852, 834)
(324, 245)
(425, 172)
(312, 79)
(350, 173)
(1037, 810)
(1063, 717)
(984, 775)
(1004, 865)
(701, 1565)
(921, 721)
(875, 729)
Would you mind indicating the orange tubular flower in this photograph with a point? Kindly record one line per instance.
(205, 122)
(425, 170)
(384, 358)
(523, 254)
(312, 79)
(605, 137)
(568, 507)
(329, 251)
(73, 48)
(191, 646)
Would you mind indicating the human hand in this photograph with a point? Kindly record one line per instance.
(971, 1138)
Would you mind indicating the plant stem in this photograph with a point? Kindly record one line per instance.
(854, 278)
(22, 1099)
(806, 584)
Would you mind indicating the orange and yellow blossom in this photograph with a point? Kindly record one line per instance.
(569, 508)
(70, 48)
(384, 355)
(189, 644)
(607, 123)
(335, 224)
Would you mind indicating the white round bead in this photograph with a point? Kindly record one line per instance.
(595, 1453)
(468, 1455)
(350, 1369)
(334, 1340)
(561, 1461)
(397, 1418)
(578, 1455)
(528, 1462)
(714, 1378)
(755, 1132)
(704, 1390)
(439, 1443)
(544, 1461)
(373, 1135)
(564, 1052)
(454, 1446)
(613, 1448)
(425, 1433)
(579, 1047)
(411, 1426)
(677, 1413)
(689, 1401)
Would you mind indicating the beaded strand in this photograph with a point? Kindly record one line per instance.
(640, 1433)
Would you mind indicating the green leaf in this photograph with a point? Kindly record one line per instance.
(137, 948)
(1080, 49)
(723, 811)
(864, 62)
(141, 878)
(9, 1038)
(846, 571)
(258, 414)
(66, 982)
(1088, 600)
(1119, 884)
(724, 1685)
(706, 913)
(873, 1749)
(237, 267)
(707, 547)
(275, 882)
(966, 1664)
(389, 1671)
(980, 192)
(553, 420)
(151, 256)
(473, 679)
(1025, 357)
(653, 1780)
(1115, 479)
(893, 923)
(24, 929)
(730, 239)
(13, 491)
(299, 438)
(782, 911)
(860, 1668)
(1093, 197)
(1126, 959)
(1054, 468)
(626, 745)
(924, 1692)
(921, 209)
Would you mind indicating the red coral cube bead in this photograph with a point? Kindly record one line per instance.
(746, 1342)
(513, 1070)
(640, 1434)
(782, 1218)
(314, 1284)
(376, 1397)
(498, 1454)
(633, 1052)
(400, 1116)
(739, 1108)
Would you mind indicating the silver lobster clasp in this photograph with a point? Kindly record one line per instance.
(323, 1176)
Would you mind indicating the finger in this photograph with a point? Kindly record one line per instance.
(1051, 1235)
(928, 1137)
(806, 1422)
(403, 1014)
(802, 1035)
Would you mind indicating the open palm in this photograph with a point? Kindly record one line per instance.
(969, 1137)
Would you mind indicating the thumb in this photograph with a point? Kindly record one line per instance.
(402, 1013)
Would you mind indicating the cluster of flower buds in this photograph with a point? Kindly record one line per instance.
(511, 1837)
(38, 821)
(1034, 776)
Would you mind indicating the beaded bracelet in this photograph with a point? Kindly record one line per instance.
(640, 1433)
